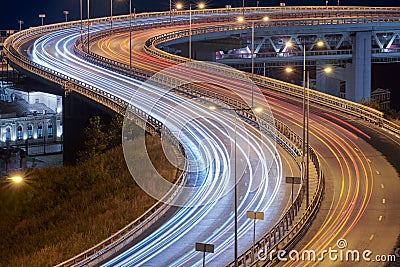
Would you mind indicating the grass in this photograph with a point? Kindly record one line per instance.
(62, 211)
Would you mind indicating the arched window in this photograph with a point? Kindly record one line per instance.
(8, 134)
(40, 131)
(49, 130)
(30, 132)
(19, 132)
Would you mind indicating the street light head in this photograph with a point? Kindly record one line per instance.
(201, 5)
(328, 70)
(240, 19)
(179, 6)
(320, 43)
(289, 44)
(266, 18)
(289, 69)
(16, 179)
(258, 110)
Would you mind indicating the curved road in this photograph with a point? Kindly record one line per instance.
(361, 184)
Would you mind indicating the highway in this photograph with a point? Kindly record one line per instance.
(207, 137)
(361, 185)
(356, 207)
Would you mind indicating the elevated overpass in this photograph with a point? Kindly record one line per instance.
(335, 141)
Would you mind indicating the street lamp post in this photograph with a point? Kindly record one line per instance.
(130, 34)
(235, 110)
(111, 14)
(42, 16)
(66, 13)
(306, 113)
(199, 6)
(88, 25)
(20, 22)
(240, 20)
(80, 11)
(255, 215)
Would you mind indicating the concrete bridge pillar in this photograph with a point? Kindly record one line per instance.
(356, 76)
(359, 82)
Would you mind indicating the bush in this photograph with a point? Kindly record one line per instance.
(62, 211)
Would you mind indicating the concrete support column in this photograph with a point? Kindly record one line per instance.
(360, 84)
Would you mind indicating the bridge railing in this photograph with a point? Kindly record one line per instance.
(150, 124)
(285, 136)
(98, 95)
(322, 99)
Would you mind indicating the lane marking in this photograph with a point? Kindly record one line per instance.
(380, 218)
(372, 237)
(377, 172)
(383, 201)
(382, 186)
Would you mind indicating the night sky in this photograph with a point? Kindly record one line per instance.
(384, 75)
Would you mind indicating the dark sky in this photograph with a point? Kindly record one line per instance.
(28, 10)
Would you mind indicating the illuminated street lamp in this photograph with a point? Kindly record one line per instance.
(17, 179)
(306, 112)
(42, 16)
(66, 13)
(257, 110)
(179, 6)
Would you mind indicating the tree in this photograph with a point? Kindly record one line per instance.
(95, 139)
(372, 103)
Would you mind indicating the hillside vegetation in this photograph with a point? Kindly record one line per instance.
(61, 211)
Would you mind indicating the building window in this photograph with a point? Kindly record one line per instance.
(8, 134)
(40, 131)
(30, 132)
(19, 132)
(50, 130)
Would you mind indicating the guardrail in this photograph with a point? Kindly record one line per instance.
(322, 99)
(283, 134)
(123, 237)
(144, 120)
(119, 105)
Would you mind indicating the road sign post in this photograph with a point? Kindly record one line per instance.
(204, 248)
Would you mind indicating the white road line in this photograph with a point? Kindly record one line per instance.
(372, 237)
(382, 186)
(383, 201)
(380, 218)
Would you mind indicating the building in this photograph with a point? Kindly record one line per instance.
(382, 97)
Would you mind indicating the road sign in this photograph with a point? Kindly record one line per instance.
(205, 247)
(256, 215)
(293, 180)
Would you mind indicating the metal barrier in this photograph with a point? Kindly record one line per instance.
(286, 137)
(276, 236)
(322, 99)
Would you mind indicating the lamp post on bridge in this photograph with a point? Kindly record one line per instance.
(66, 13)
(241, 20)
(257, 110)
(306, 113)
(179, 6)
(88, 25)
(20, 22)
